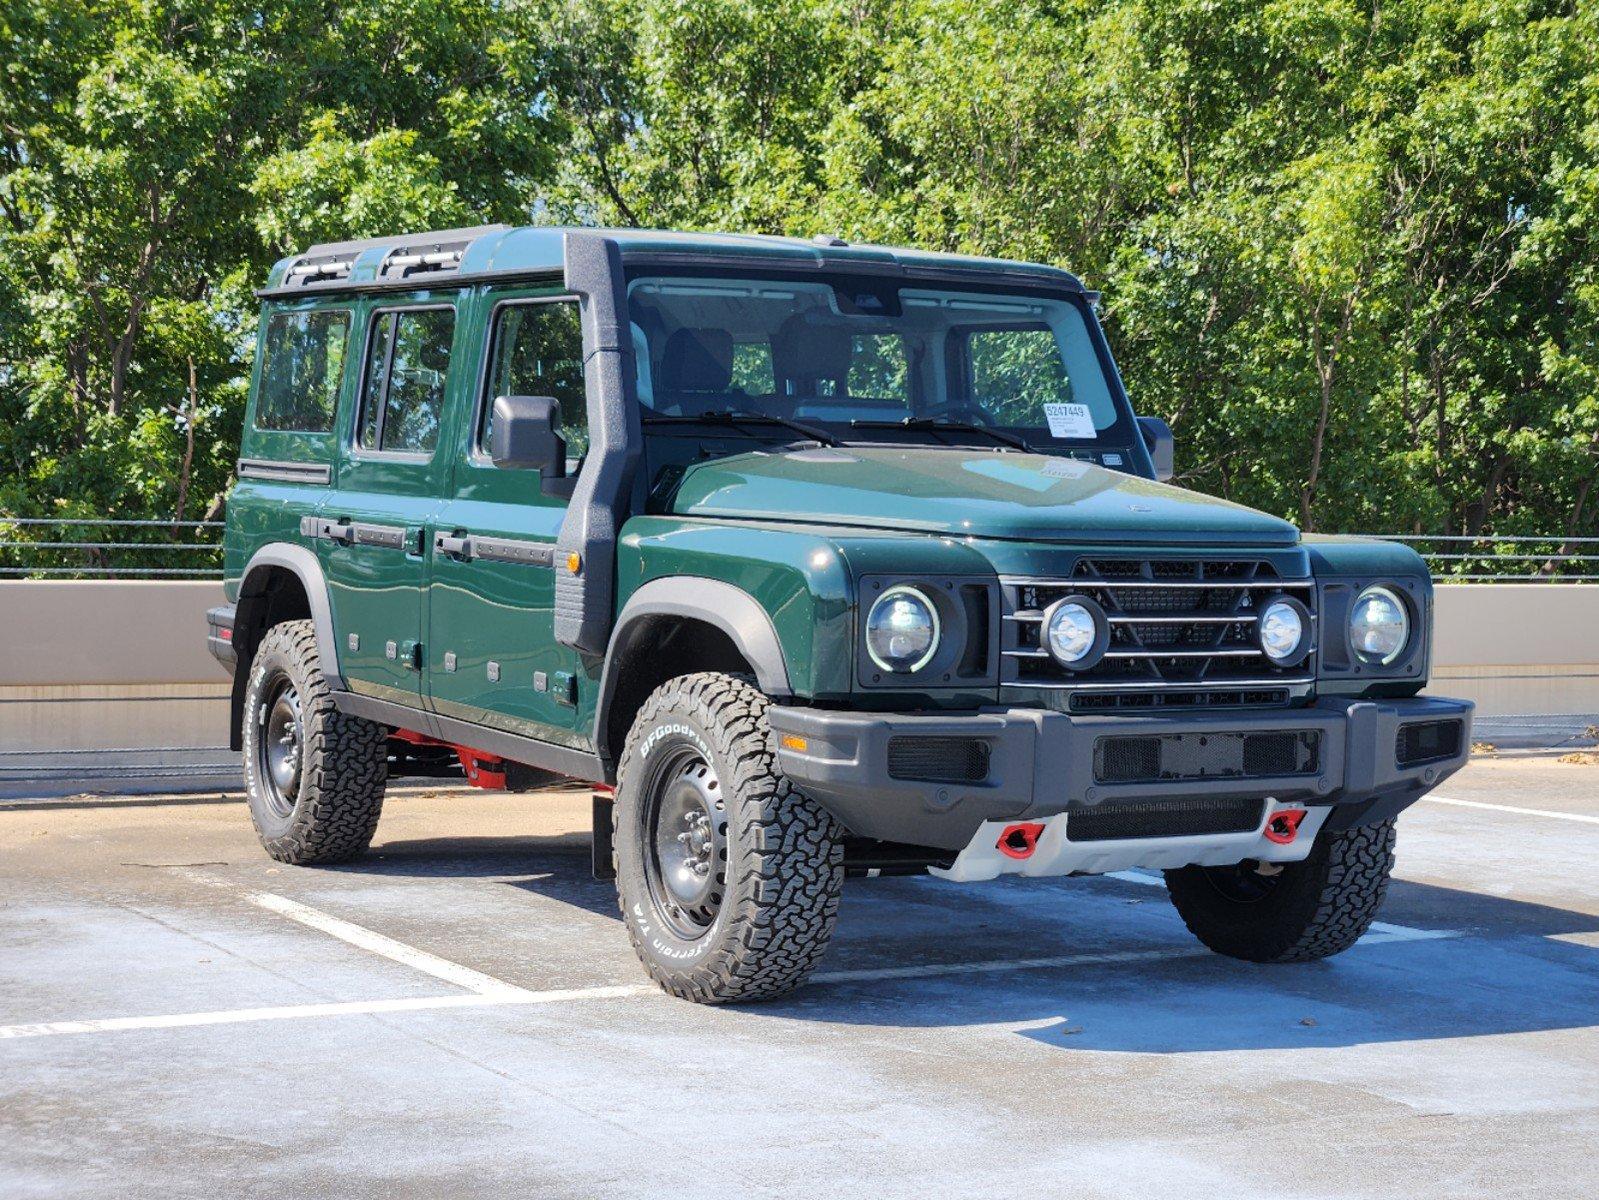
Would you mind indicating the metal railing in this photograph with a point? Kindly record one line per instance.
(127, 550)
(1508, 558)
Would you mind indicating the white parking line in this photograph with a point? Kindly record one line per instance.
(351, 1008)
(377, 943)
(1583, 818)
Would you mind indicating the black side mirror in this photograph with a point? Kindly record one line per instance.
(527, 436)
(1160, 443)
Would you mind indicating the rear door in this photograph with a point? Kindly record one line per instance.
(492, 653)
(371, 534)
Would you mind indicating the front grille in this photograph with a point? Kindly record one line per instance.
(938, 760)
(1119, 819)
(1427, 741)
(1092, 702)
(1187, 757)
(1175, 623)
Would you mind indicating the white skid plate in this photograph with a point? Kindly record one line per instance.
(1056, 855)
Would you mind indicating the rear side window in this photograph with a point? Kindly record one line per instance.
(302, 361)
(407, 367)
(538, 351)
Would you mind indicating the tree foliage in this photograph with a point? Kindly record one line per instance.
(1347, 249)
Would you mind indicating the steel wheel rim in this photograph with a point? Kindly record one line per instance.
(280, 745)
(685, 844)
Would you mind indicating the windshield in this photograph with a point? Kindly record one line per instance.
(859, 357)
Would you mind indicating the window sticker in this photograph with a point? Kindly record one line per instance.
(1069, 421)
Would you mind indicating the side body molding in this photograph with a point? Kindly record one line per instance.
(603, 496)
(734, 611)
(303, 564)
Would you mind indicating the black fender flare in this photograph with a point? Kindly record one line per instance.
(301, 563)
(726, 607)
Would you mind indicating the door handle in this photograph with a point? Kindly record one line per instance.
(457, 546)
(342, 532)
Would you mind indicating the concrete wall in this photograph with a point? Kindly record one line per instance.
(108, 664)
(90, 665)
(1518, 648)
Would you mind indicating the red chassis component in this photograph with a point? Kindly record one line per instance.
(482, 769)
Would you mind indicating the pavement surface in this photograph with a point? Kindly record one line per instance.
(460, 1015)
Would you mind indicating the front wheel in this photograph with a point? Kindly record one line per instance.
(728, 878)
(314, 776)
(1308, 910)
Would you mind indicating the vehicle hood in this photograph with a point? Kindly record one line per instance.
(967, 493)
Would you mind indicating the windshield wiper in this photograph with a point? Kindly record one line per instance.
(736, 416)
(945, 424)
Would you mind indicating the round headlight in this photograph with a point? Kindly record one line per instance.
(1072, 632)
(1281, 630)
(902, 630)
(1379, 625)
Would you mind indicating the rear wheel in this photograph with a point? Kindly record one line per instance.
(315, 777)
(1306, 911)
(728, 878)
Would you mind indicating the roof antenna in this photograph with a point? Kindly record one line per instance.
(829, 239)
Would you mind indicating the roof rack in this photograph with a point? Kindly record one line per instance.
(440, 250)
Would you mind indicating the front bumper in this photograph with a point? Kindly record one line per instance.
(1038, 763)
(219, 636)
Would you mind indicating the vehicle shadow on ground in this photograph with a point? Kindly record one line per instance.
(1504, 971)
(558, 867)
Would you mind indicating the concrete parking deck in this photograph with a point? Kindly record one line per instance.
(461, 1015)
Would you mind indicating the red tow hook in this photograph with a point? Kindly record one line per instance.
(1019, 841)
(1284, 826)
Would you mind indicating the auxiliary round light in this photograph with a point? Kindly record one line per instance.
(1281, 630)
(1379, 626)
(1076, 632)
(902, 630)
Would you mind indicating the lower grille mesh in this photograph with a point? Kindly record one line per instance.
(1119, 819)
(1189, 756)
(938, 760)
(1427, 741)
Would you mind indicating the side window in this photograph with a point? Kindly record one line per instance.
(1014, 371)
(302, 361)
(407, 367)
(537, 350)
(877, 367)
(752, 368)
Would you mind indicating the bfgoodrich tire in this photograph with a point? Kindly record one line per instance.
(315, 776)
(1312, 909)
(728, 878)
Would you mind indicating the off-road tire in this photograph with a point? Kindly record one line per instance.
(784, 867)
(1314, 909)
(344, 759)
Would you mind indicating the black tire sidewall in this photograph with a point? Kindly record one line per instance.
(271, 661)
(652, 744)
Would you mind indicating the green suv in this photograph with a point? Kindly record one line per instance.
(815, 559)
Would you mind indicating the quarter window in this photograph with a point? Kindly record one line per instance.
(538, 351)
(407, 367)
(302, 361)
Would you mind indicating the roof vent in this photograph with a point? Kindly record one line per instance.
(829, 239)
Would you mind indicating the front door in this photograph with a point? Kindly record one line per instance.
(371, 535)
(492, 657)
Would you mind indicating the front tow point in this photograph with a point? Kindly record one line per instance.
(1283, 827)
(1019, 841)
